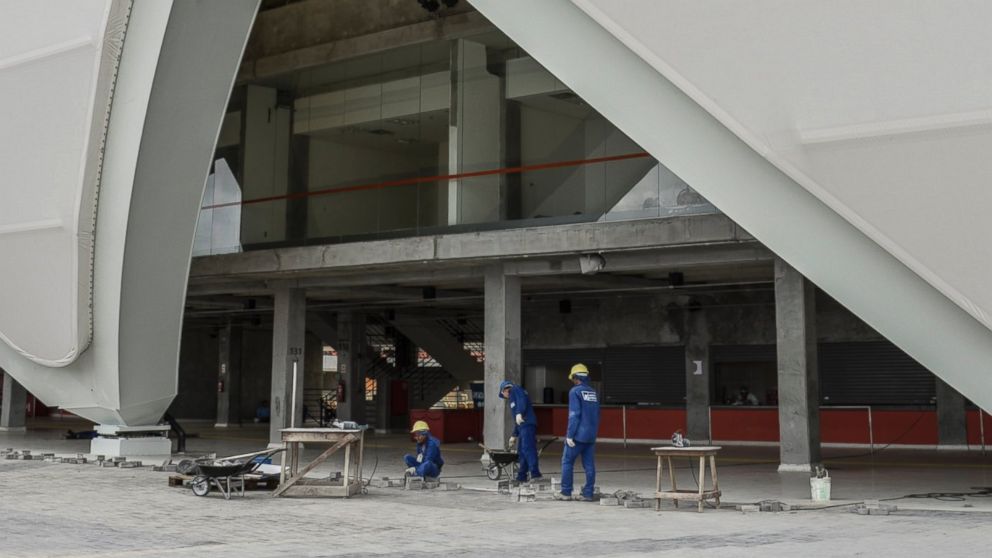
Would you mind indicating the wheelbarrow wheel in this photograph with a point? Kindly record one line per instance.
(493, 472)
(200, 486)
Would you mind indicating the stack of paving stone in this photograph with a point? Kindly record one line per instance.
(874, 507)
(422, 483)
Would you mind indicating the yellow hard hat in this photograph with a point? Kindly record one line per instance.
(578, 370)
(420, 426)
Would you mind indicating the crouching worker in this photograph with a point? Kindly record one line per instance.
(427, 463)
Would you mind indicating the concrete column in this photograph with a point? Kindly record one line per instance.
(503, 356)
(351, 365)
(228, 376)
(265, 165)
(13, 406)
(288, 338)
(697, 379)
(798, 378)
(952, 425)
(475, 137)
(383, 410)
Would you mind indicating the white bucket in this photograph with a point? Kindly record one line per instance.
(819, 489)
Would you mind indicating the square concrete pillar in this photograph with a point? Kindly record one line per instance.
(228, 376)
(503, 355)
(351, 365)
(13, 406)
(698, 373)
(798, 378)
(383, 407)
(288, 338)
(952, 425)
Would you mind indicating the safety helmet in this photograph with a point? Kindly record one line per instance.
(578, 370)
(420, 426)
(503, 385)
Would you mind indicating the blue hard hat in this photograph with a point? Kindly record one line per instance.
(503, 385)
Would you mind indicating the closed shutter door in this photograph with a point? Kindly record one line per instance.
(644, 375)
(872, 373)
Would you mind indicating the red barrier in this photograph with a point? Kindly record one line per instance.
(745, 425)
(975, 429)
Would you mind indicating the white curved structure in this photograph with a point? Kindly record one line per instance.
(113, 109)
(850, 137)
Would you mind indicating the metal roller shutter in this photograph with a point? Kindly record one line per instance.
(743, 353)
(644, 375)
(872, 373)
(629, 375)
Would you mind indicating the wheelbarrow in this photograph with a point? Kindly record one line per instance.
(505, 461)
(227, 474)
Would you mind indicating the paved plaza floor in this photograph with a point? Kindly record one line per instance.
(50, 509)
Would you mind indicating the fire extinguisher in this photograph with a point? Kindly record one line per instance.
(341, 391)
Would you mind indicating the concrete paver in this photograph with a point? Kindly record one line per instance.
(49, 509)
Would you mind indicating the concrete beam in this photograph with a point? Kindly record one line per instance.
(480, 247)
(335, 49)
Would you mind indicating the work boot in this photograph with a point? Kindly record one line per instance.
(563, 497)
(581, 498)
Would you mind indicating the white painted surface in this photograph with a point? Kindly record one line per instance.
(56, 75)
(725, 94)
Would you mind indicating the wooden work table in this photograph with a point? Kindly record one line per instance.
(699, 495)
(291, 477)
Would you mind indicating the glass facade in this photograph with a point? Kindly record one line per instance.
(446, 136)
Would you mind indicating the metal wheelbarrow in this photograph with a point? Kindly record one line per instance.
(505, 461)
(227, 474)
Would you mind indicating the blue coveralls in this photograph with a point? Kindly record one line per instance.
(525, 433)
(430, 465)
(583, 424)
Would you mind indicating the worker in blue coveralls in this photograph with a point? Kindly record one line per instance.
(525, 431)
(580, 439)
(428, 462)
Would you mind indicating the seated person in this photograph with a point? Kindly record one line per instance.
(745, 397)
(427, 463)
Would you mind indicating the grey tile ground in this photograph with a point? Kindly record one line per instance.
(83, 510)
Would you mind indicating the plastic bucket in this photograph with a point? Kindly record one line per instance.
(819, 489)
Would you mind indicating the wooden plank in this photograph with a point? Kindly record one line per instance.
(313, 464)
(690, 495)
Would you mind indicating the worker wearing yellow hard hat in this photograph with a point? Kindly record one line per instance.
(428, 462)
(580, 438)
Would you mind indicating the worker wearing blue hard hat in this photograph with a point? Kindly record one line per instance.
(524, 431)
(428, 462)
(580, 438)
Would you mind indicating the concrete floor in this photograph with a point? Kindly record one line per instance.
(82, 510)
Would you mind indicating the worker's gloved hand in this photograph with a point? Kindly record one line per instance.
(520, 418)
(411, 471)
(570, 442)
(513, 441)
(420, 458)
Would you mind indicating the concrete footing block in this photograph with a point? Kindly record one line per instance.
(745, 508)
(637, 503)
(609, 501)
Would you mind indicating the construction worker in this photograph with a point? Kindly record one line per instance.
(525, 431)
(580, 438)
(428, 462)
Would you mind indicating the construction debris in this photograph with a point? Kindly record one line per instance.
(874, 507)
